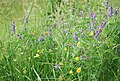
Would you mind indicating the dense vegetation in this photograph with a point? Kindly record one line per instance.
(59, 40)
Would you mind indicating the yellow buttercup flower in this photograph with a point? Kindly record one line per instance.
(70, 72)
(77, 58)
(91, 33)
(65, 49)
(78, 44)
(78, 70)
(36, 56)
(46, 33)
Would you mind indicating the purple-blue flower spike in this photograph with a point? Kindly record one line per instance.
(86, 57)
(98, 38)
(93, 15)
(57, 66)
(102, 25)
(110, 11)
(92, 24)
(24, 29)
(41, 39)
(106, 3)
(81, 14)
(13, 27)
(115, 11)
(26, 21)
(75, 37)
(80, 29)
(97, 33)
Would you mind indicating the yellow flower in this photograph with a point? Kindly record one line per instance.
(91, 33)
(70, 72)
(78, 70)
(36, 56)
(65, 49)
(77, 58)
(46, 33)
(78, 44)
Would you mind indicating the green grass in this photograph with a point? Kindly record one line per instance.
(28, 59)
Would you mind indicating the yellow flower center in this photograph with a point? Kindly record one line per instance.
(78, 70)
(77, 58)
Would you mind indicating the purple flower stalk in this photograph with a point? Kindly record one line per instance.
(75, 37)
(24, 29)
(97, 33)
(102, 25)
(86, 57)
(98, 38)
(57, 66)
(92, 24)
(115, 11)
(55, 43)
(93, 15)
(26, 21)
(106, 3)
(81, 13)
(41, 39)
(13, 27)
(110, 11)
(80, 29)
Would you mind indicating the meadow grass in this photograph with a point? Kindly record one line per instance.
(59, 40)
